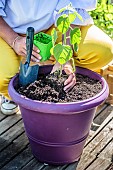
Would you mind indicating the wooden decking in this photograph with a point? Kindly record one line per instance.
(15, 152)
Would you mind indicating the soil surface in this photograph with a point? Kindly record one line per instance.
(49, 88)
(43, 38)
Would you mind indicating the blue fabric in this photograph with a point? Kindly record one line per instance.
(40, 14)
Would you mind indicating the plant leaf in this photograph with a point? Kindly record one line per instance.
(75, 36)
(78, 15)
(76, 47)
(63, 23)
(62, 10)
(62, 53)
(67, 8)
(51, 51)
(72, 17)
(54, 36)
(73, 64)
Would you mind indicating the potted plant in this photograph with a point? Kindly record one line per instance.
(57, 131)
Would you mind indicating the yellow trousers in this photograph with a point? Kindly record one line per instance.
(95, 51)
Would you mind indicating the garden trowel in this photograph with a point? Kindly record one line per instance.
(28, 73)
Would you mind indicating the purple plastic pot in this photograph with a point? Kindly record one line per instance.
(57, 131)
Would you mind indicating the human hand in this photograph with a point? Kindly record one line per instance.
(71, 81)
(20, 48)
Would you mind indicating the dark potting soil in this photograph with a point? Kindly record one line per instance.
(42, 38)
(49, 88)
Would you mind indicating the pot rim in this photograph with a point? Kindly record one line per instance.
(80, 105)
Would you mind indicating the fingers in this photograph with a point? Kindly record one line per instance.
(35, 54)
(36, 49)
(20, 49)
(34, 59)
(68, 70)
(22, 52)
(70, 82)
(55, 67)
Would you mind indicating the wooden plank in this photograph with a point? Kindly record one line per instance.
(13, 149)
(72, 166)
(111, 67)
(2, 116)
(110, 167)
(110, 99)
(103, 159)
(52, 167)
(102, 116)
(106, 121)
(107, 152)
(20, 160)
(11, 134)
(32, 165)
(107, 72)
(101, 164)
(110, 79)
(100, 108)
(37, 166)
(96, 146)
(9, 121)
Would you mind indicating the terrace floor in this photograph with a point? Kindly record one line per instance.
(15, 152)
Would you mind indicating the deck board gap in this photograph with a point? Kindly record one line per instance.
(104, 124)
(1, 119)
(101, 110)
(98, 153)
(10, 127)
(11, 142)
(14, 156)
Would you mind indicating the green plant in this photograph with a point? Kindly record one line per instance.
(103, 16)
(62, 51)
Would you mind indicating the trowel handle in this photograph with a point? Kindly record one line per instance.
(29, 43)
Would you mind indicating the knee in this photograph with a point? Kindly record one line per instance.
(102, 44)
(105, 50)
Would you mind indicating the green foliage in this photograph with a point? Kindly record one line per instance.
(63, 23)
(63, 52)
(70, 8)
(75, 36)
(103, 16)
(54, 36)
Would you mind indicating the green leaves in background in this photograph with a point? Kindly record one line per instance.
(103, 16)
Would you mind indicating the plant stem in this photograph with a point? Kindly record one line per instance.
(73, 64)
(61, 68)
(62, 39)
(65, 39)
(71, 27)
